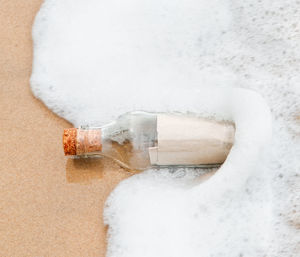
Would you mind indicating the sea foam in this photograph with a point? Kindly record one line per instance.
(94, 60)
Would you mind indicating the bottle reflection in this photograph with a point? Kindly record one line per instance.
(84, 170)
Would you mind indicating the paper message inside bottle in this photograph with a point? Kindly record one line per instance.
(187, 140)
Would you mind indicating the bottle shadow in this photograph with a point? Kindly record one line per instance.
(84, 170)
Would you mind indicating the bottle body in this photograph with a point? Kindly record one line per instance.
(140, 140)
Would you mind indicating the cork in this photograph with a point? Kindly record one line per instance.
(81, 141)
(88, 141)
(69, 141)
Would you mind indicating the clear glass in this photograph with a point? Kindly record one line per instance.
(127, 141)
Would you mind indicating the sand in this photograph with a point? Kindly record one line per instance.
(49, 205)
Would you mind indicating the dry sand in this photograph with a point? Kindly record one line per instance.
(49, 206)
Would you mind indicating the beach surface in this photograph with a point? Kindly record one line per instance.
(49, 205)
(52, 206)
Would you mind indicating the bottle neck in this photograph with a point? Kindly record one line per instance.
(88, 140)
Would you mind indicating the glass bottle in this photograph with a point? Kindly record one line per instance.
(140, 140)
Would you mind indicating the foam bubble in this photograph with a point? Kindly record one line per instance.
(94, 60)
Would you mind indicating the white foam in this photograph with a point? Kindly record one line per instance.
(94, 60)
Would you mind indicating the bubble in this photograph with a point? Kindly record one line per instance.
(98, 59)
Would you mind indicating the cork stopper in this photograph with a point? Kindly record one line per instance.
(81, 141)
(69, 141)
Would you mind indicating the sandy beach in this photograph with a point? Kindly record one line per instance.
(53, 206)
(49, 206)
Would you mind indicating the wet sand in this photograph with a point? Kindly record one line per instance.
(49, 206)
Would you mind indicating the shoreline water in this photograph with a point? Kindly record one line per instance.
(163, 56)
